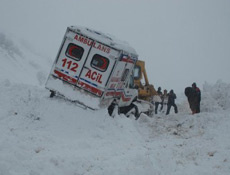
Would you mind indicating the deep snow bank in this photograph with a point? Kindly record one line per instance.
(40, 135)
(216, 97)
(192, 144)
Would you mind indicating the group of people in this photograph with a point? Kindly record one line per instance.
(168, 99)
(165, 99)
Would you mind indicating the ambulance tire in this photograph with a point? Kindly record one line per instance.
(126, 110)
(52, 94)
(113, 106)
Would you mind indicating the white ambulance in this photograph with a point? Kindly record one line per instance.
(93, 69)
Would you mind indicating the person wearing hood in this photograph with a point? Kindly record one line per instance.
(194, 97)
(171, 102)
(198, 96)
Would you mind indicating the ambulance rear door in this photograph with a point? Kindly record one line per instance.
(98, 68)
(72, 57)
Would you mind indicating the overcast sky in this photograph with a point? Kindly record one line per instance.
(181, 41)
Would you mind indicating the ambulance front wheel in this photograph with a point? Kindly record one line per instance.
(52, 94)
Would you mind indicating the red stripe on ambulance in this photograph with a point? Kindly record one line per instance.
(90, 88)
(118, 94)
(65, 77)
(127, 59)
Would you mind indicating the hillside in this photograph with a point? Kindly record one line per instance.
(42, 136)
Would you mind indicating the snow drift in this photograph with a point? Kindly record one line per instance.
(216, 97)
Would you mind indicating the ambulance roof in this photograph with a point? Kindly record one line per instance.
(106, 39)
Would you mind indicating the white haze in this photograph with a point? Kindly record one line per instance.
(181, 41)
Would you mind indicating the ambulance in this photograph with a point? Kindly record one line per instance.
(93, 69)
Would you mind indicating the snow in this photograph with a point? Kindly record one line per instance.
(40, 135)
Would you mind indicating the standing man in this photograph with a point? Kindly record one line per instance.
(157, 99)
(197, 96)
(192, 99)
(171, 102)
(164, 99)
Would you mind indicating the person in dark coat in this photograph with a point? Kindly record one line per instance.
(194, 97)
(171, 102)
(192, 100)
(198, 96)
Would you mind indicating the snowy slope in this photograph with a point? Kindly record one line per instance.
(42, 136)
(19, 63)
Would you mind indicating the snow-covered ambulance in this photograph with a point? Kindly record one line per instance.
(93, 69)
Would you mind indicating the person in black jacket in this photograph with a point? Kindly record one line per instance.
(198, 96)
(171, 102)
(194, 97)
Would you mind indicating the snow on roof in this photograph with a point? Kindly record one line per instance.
(106, 39)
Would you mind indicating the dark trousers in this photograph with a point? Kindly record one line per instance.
(169, 107)
(156, 106)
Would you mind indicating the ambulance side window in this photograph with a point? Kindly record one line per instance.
(137, 72)
(131, 82)
(74, 51)
(100, 63)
